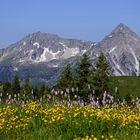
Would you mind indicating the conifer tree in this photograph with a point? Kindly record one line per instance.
(6, 89)
(41, 91)
(83, 72)
(26, 89)
(16, 85)
(65, 79)
(101, 76)
(47, 91)
(44, 92)
(35, 93)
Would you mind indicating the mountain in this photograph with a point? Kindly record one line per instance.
(42, 56)
(122, 49)
(43, 47)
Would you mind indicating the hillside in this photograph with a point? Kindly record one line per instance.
(127, 85)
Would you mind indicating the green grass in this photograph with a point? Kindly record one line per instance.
(59, 122)
(127, 85)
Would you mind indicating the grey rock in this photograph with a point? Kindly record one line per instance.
(122, 48)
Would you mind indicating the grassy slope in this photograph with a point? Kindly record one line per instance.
(126, 85)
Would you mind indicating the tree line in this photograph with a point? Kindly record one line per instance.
(86, 79)
(81, 81)
(24, 92)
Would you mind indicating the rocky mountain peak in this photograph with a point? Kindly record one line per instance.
(123, 31)
(40, 38)
(121, 28)
(122, 36)
(122, 46)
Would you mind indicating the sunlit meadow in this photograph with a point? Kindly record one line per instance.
(39, 121)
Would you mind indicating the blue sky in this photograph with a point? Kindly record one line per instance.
(83, 19)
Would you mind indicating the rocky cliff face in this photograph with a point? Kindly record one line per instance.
(42, 56)
(122, 48)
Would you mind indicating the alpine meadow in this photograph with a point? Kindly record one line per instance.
(57, 82)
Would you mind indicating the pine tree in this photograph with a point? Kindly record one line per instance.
(6, 89)
(41, 91)
(101, 76)
(15, 86)
(35, 93)
(26, 90)
(83, 72)
(65, 79)
(47, 91)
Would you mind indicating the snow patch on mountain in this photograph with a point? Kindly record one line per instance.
(110, 36)
(47, 55)
(112, 49)
(54, 54)
(15, 69)
(84, 51)
(55, 66)
(118, 68)
(43, 55)
(31, 51)
(93, 44)
(24, 43)
(36, 44)
(97, 55)
(137, 65)
(75, 51)
(61, 43)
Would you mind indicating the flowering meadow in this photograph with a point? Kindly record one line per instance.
(49, 121)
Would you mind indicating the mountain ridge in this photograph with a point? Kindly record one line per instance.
(48, 52)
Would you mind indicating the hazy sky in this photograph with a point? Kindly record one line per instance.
(83, 19)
